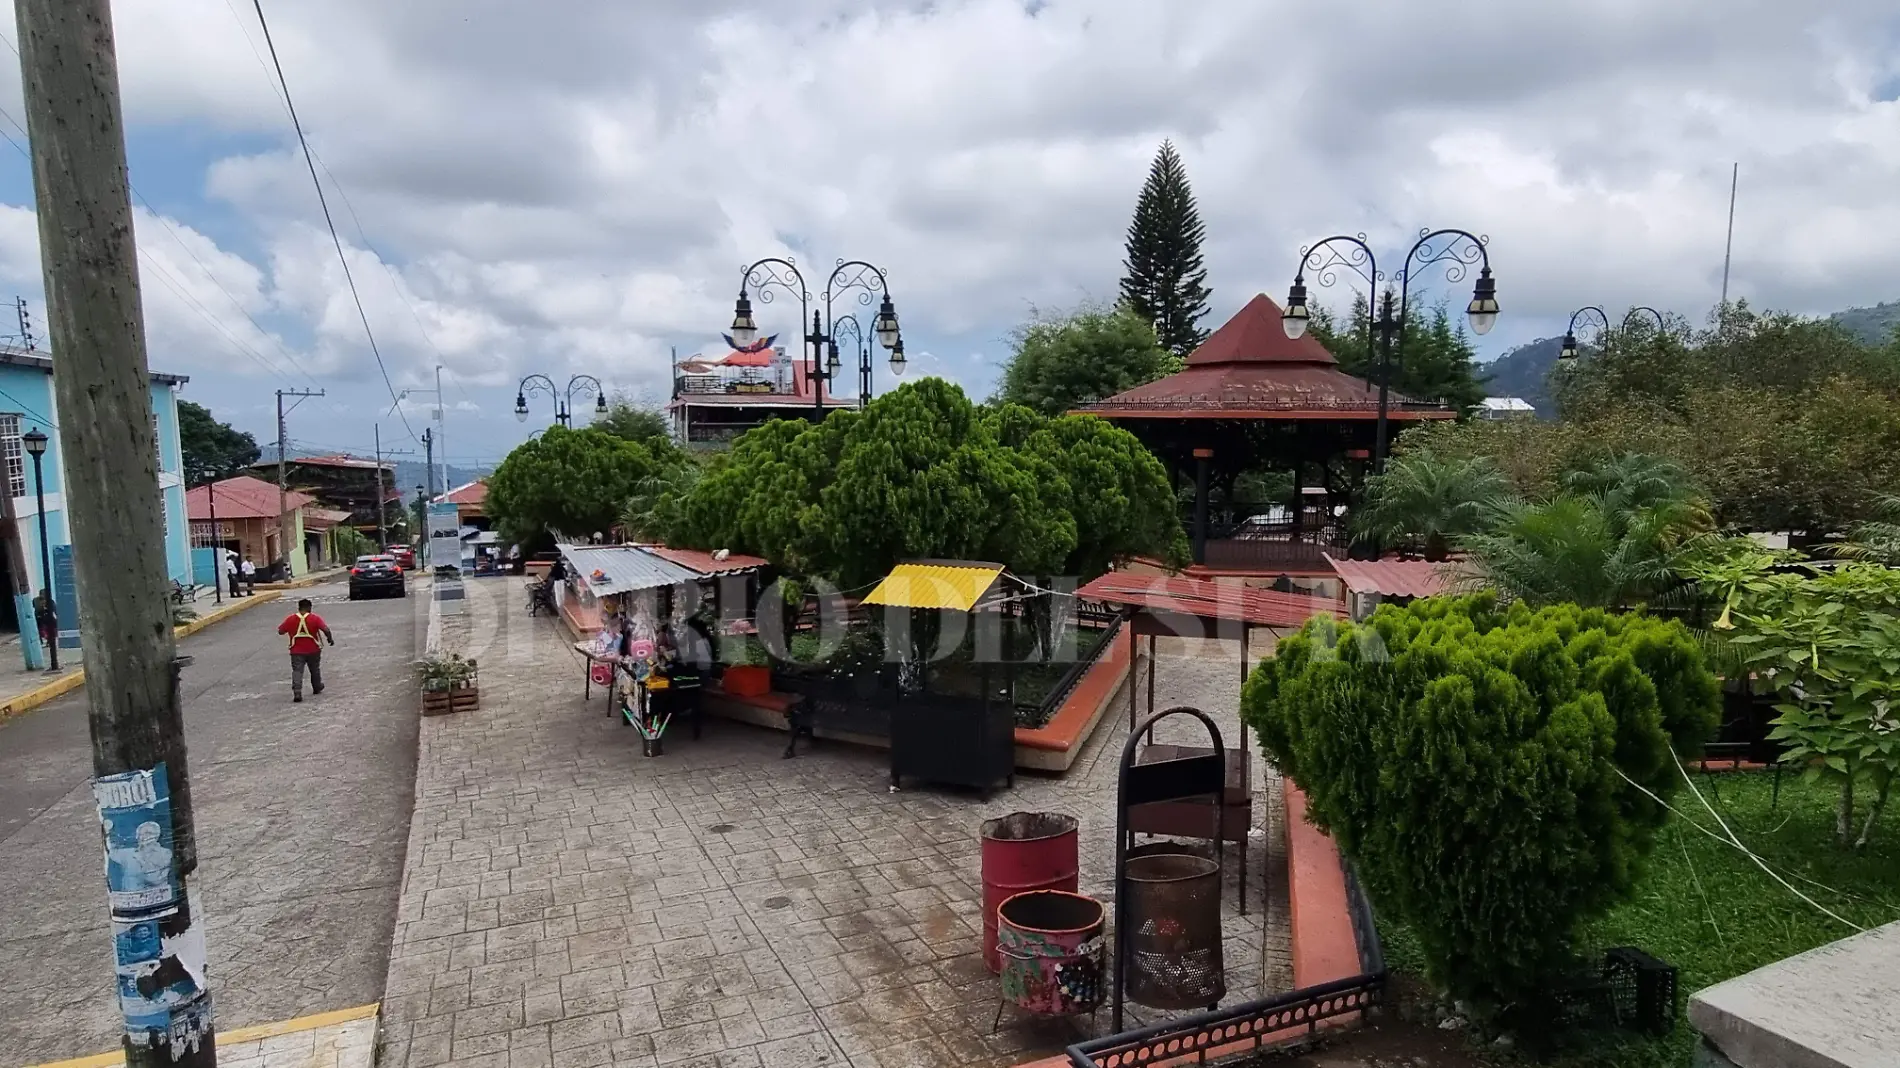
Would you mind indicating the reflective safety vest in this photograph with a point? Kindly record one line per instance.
(303, 628)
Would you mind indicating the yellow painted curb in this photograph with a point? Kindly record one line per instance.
(242, 1034)
(39, 695)
(66, 684)
(231, 607)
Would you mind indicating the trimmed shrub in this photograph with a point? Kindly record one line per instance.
(1471, 761)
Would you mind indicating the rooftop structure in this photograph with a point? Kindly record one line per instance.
(715, 399)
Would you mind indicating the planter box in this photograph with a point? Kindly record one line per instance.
(953, 741)
(443, 702)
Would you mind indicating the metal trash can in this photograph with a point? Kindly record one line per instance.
(1024, 851)
(1173, 940)
(1053, 952)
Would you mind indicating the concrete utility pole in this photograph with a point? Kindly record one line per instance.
(428, 445)
(70, 84)
(440, 426)
(283, 478)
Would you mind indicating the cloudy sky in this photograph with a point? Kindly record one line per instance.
(572, 186)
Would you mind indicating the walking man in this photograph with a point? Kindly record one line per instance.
(46, 617)
(250, 578)
(303, 626)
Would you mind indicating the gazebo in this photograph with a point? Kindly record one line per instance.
(1249, 398)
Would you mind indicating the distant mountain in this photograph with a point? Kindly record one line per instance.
(1873, 325)
(1524, 372)
(410, 474)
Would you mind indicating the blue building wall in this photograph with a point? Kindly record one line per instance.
(27, 390)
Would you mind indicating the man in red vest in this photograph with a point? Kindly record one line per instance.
(303, 626)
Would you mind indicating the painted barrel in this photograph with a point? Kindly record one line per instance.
(1052, 949)
(1024, 851)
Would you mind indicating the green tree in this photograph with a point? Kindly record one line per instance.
(1437, 363)
(1062, 363)
(1488, 772)
(1428, 502)
(629, 419)
(1165, 282)
(211, 450)
(570, 483)
(922, 472)
(1588, 549)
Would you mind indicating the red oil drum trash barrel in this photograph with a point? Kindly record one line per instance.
(1052, 948)
(1024, 851)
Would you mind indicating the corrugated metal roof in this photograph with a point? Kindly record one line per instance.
(952, 586)
(1395, 578)
(623, 568)
(1208, 599)
(703, 562)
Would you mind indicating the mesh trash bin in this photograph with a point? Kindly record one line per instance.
(1173, 941)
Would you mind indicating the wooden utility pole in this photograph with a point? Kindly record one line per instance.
(70, 82)
(283, 478)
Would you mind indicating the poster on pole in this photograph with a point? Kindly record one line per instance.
(66, 596)
(135, 813)
(160, 976)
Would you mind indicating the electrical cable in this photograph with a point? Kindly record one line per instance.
(328, 221)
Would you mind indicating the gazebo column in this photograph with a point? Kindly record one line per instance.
(1298, 507)
(1201, 459)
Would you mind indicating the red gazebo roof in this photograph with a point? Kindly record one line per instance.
(1250, 369)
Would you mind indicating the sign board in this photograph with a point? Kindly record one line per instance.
(751, 387)
(445, 535)
(66, 596)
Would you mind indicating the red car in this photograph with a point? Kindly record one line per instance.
(405, 556)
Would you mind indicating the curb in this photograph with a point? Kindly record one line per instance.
(66, 684)
(217, 615)
(240, 1034)
(314, 579)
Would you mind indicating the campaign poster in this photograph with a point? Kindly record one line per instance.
(163, 995)
(135, 813)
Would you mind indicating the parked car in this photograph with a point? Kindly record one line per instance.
(378, 574)
(405, 556)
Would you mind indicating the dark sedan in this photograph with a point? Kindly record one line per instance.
(379, 575)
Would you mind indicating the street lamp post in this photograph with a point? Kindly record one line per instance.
(1569, 351)
(35, 442)
(217, 543)
(870, 281)
(1458, 249)
(563, 399)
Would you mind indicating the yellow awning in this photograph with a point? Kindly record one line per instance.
(934, 586)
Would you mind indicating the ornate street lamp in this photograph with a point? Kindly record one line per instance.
(1458, 249)
(1569, 350)
(774, 272)
(35, 442)
(563, 400)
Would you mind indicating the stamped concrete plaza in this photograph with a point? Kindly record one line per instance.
(569, 902)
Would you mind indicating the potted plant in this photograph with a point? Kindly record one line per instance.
(448, 684)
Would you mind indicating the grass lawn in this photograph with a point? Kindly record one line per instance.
(1706, 908)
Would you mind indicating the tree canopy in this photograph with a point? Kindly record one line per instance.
(629, 419)
(1435, 365)
(1064, 362)
(212, 450)
(568, 482)
(1784, 424)
(1165, 281)
(923, 472)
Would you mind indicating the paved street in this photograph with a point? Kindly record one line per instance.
(571, 903)
(303, 815)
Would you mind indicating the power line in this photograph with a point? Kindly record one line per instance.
(310, 162)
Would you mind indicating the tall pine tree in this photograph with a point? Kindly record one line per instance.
(1165, 282)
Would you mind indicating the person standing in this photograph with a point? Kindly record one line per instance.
(303, 626)
(250, 578)
(46, 617)
(231, 571)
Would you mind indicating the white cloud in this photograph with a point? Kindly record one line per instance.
(575, 190)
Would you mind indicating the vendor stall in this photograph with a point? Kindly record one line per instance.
(943, 738)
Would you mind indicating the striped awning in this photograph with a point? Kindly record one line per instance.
(954, 586)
